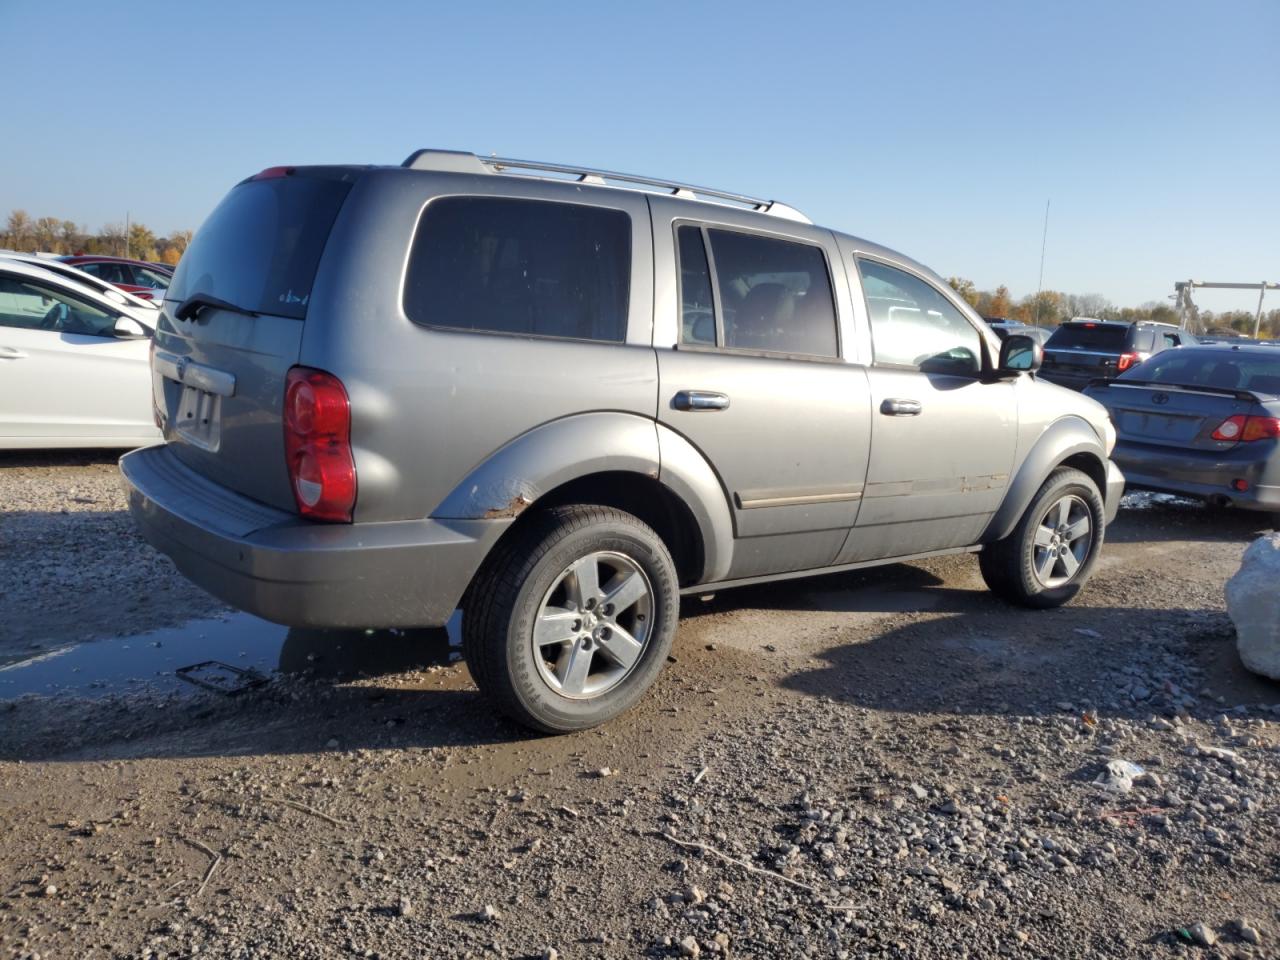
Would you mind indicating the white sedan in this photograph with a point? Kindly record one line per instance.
(145, 310)
(74, 366)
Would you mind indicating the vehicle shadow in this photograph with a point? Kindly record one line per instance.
(1007, 661)
(1153, 518)
(87, 457)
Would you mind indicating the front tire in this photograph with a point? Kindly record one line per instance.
(571, 620)
(1051, 552)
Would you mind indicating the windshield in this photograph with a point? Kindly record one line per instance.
(261, 246)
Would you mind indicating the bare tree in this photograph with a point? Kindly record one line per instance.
(18, 229)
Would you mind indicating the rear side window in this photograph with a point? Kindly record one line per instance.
(261, 246)
(774, 295)
(1081, 336)
(532, 267)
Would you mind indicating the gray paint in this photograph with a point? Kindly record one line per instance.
(457, 433)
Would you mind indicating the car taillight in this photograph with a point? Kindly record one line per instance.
(317, 444)
(1245, 428)
(1126, 361)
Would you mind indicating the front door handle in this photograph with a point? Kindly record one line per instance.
(700, 400)
(11, 353)
(894, 407)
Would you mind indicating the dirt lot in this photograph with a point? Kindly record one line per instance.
(888, 764)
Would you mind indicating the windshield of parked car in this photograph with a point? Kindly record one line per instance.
(1222, 369)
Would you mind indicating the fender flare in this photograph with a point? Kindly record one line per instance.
(1064, 438)
(517, 475)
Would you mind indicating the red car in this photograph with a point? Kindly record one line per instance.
(146, 280)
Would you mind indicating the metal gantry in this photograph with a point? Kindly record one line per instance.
(1184, 303)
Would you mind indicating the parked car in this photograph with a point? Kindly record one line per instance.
(1083, 349)
(142, 279)
(389, 391)
(1203, 421)
(73, 365)
(144, 310)
(1002, 328)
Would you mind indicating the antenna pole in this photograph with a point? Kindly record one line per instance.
(1044, 240)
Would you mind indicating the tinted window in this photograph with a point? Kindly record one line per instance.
(913, 325)
(146, 277)
(1073, 336)
(261, 246)
(110, 272)
(775, 295)
(1224, 369)
(521, 266)
(35, 306)
(697, 309)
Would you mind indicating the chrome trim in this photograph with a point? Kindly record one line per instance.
(182, 370)
(761, 499)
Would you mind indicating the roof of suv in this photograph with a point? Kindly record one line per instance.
(580, 178)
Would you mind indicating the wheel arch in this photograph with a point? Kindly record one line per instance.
(1069, 441)
(611, 459)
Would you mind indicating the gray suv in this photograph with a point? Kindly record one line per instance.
(560, 398)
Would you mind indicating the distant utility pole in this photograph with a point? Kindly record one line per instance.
(1044, 240)
(126, 242)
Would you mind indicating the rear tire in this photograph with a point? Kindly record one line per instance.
(570, 621)
(1051, 552)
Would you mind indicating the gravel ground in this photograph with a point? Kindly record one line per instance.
(882, 764)
(65, 536)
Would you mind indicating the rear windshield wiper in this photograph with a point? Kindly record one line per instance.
(198, 301)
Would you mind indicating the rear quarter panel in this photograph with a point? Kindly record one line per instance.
(430, 405)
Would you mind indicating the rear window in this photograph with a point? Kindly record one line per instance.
(261, 246)
(1079, 336)
(1224, 369)
(533, 267)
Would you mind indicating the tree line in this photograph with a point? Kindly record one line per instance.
(27, 234)
(1048, 308)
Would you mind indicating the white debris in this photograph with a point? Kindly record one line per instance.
(1118, 775)
(1254, 605)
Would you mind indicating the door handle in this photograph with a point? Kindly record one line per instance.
(696, 400)
(10, 353)
(893, 407)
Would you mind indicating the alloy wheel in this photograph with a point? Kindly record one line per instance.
(593, 625)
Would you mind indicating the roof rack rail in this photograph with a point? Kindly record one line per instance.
(458, 161)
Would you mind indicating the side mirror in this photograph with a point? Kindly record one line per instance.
(1020, 353)
(127, 328)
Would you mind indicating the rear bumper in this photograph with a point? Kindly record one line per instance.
(1208, 475)
(296, 572)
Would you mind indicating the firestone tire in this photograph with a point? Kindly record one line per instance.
(1050, 554)
(570, 621)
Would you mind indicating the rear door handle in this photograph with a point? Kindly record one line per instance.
(696, 400)
(893, 407)
(11, 353)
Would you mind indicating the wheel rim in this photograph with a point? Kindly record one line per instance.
(1064, 537)
(593, 625)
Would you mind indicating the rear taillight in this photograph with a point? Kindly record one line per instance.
(317, 444)
(1245, 428)
(1126, 361)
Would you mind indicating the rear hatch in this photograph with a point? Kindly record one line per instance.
(219, 371)
(1084, 351)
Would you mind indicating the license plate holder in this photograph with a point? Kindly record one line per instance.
(199, 417)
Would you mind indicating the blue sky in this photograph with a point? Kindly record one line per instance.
(936, 128)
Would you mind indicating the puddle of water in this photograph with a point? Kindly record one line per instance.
(147, 661)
